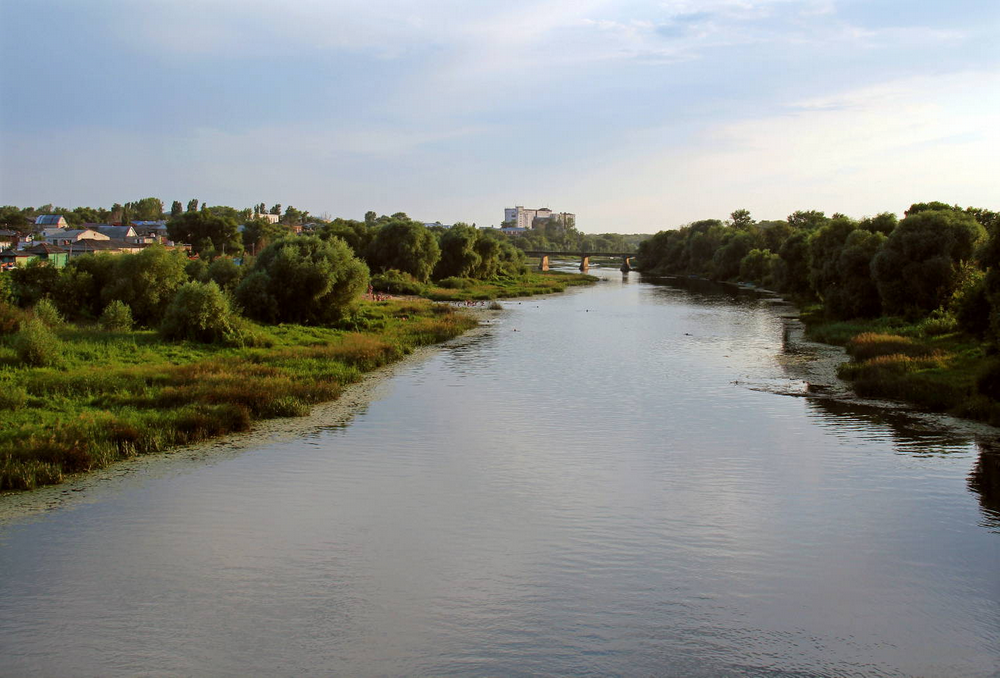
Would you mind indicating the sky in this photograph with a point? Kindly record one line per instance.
(636, 116)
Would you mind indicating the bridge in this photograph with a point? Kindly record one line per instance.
(543, 264)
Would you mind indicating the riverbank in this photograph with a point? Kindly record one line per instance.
(118, 396)
(92, 486)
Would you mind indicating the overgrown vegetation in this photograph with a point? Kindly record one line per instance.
(116, 394)
(915, 302)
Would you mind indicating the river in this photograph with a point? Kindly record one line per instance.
(626, 479)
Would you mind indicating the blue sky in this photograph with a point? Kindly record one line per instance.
(637, 116)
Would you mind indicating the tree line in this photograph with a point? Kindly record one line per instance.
(940, 260)
(313, 278)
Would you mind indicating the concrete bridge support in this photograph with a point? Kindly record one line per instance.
(585, 263)
(543, 264)
(626, 264)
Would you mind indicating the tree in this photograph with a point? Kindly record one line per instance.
(807, 219)
(146, 282)
(276, 209)
(458, 253)
(192, 205)
(855, 294)
(257, 233)
(147, 209)
(918, 267)
(176, 209)
(825, 245)
(404, 245)
(741, 219)
(198, 312)
(303, 279)
(357, 234)
(34, 282)
(206, 232)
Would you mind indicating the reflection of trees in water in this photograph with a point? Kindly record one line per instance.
(985, 481)
(910, 434)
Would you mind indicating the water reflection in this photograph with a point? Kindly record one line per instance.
(985, 481)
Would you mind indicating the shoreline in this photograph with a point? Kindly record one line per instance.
(90, 486)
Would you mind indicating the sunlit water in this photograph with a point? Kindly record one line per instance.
(607, 482)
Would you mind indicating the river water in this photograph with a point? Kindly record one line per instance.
(620, 480)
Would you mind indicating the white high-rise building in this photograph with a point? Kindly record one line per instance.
(521, 217)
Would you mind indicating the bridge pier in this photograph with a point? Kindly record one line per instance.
(585, 263)
(626, 264)
(543, 264)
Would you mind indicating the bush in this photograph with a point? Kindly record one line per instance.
(11, 318)
(47, 312)
(117, 317)
(36, 345)
(303, 279)
(397, 282)
(454, 283)
(198, 312)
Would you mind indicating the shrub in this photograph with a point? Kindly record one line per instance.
(454, 283)
(397, 282)
(47, 312)
(198, 312)
(303, 279)
(36, 345)
(117, 317)
(11, 318)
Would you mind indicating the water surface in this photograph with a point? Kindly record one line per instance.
(607, 482)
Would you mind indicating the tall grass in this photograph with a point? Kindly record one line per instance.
(99, 407)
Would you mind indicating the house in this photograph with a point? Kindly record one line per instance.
(9, 239)
(105, 246)
(70, 236)
(124, 233)
(54, 254)
(51, 221)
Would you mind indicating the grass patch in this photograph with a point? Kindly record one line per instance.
(115, 395)
(530, 284)
(920, 363)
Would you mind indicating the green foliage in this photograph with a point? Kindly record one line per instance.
(406, 246)
(357, 234)
(198, 312)
(36, 345)
(6, 288)
(918, 267)
(79, 293)
(851, 292)
(32, 283)
(11, 318)
(727, 258)
(458, 253)
(47, 312)
(988, 381)
(197, 270)
(757, 267)
(116, 317)
(303, 279)
(146, 282)
(207, 232)
(397, 282)
(225, 273)
(259, 233)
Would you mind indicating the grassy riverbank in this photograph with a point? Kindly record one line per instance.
(925, 363)
(116, 395)
(530, 284)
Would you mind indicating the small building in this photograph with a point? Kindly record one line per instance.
(106, 246)
(51, 221)
(70, 236)
(53, 254)
(9, 239)
(125, 233)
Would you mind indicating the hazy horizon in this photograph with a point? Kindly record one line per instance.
(635, 116)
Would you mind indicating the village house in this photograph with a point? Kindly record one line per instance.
(54, 254)
(51, 221)
(72, 235)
